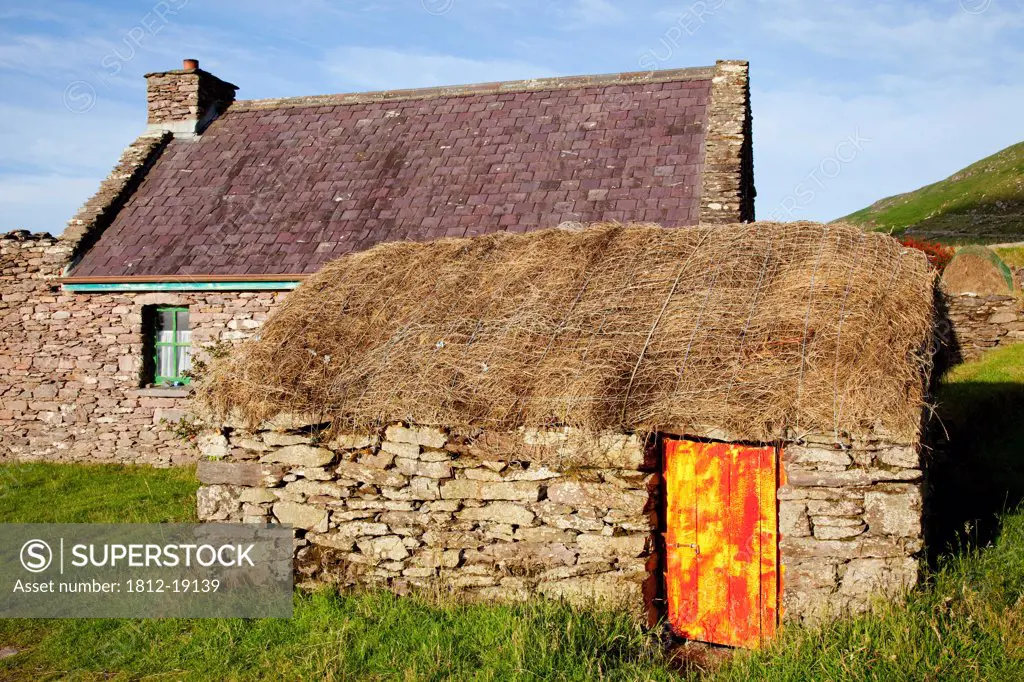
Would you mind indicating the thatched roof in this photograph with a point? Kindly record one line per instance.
(753, 329)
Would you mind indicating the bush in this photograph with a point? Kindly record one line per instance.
(939, 255)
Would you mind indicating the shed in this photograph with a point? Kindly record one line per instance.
(717, 424)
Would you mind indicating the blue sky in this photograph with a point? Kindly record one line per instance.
(852, 101)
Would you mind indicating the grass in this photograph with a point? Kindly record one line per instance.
(983, 203)
(95, 493)
(1012, 255)
(965, 622)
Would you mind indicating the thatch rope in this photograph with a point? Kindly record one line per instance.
(746, 328)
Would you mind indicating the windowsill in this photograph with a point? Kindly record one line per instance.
(164, 392)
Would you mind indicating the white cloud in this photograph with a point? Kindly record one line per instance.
(380, 69)
(916, 138)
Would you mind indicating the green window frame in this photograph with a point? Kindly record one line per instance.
(172, 346)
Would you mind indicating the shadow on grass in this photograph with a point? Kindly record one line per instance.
(977, 472)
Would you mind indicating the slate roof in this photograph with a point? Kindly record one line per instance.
(278, 187)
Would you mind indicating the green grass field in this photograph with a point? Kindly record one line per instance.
(965, 623)
(983, 203)
(1012, 255)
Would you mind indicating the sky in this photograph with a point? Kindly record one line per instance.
(852, 100)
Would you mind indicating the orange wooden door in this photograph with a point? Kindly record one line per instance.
(721, 542)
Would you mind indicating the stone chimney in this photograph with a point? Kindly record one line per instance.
(185, 101)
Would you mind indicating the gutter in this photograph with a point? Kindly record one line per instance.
(175, 283)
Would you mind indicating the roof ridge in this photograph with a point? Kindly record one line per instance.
(527, 85)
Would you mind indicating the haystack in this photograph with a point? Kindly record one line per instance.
(759, 329)
(978, 270)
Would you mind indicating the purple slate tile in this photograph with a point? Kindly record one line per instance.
(279, 191)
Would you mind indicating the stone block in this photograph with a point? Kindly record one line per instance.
(865, 578)
(607, 590)
(256, 495)
(386, 548)
(905, 457)
(216, 503)
(415, 467)
(793, 520)
(501, 512)
(544, 535)
(850, 478)
(310, 488)
(800, 454)
(301, 516)
(212, 445)
(352, 441)
(613, 546)
(407, 450)
(864, 546)
(834, 508)
(275, 439)
(601, 495)
(231, 473)
(894, 513)
(418, 435)
(356, 529)
(300, 455)
(485, 490)
(372, 475)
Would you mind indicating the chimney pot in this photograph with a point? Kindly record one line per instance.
(190, 64)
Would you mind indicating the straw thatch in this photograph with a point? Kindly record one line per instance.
(977, 269)
(753, 329)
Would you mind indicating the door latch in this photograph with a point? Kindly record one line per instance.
(692, 545)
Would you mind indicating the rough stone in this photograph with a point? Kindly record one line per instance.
(231, 473)
(890, 578)
(620, 546)
(485, 490)
(894, 513)
(386, 548)
(301, 516)
(415, 467)
(503, 512)
(601, 495)
(372, 475)
(407, 450)
(420, 435)
(793, 521)
(300, 455)
(276, 439)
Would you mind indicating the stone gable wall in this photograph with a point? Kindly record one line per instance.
(70, 364)
(727, 185)
(984, 322)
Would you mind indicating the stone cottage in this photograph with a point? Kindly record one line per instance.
(222, 207)
(721, 426)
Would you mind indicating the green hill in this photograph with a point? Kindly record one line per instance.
(983, 203)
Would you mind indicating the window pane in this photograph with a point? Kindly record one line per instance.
(184, 337)
(164, 320)
(165, 326)
(184, 359)
(165, 361)
(182, 320)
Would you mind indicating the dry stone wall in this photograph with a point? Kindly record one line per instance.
(850, 526)
(71, 384)
(419, 509)
(506, 516)
(984, 322)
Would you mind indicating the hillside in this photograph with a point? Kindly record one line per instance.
(983, 203)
